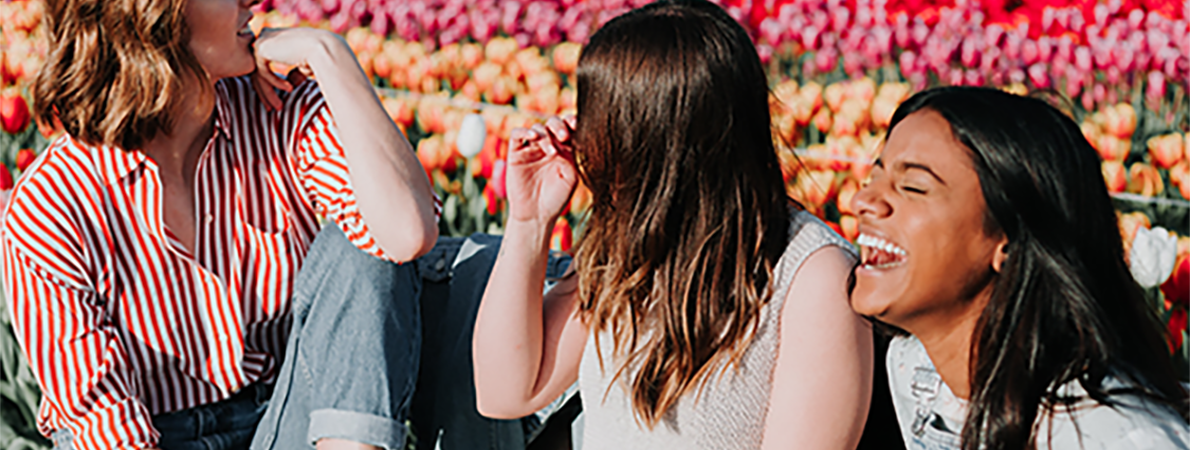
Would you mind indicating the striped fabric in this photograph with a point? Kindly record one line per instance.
(118, 320)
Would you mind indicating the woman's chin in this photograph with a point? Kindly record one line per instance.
(866, 301)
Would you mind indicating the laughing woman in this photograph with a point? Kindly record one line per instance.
(169, 281)
(988, 235)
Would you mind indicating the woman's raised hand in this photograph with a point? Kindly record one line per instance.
(541, 171)
(291, 47)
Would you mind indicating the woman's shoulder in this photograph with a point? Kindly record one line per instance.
(66, 170)
(57, 196)
(1131, 421)
(808, 233)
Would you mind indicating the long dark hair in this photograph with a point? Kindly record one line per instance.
(1064, 306)
(689, 212)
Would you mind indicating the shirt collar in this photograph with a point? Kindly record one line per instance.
(118, 163)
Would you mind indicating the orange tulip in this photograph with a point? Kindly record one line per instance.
(1129, 224)
(1143, 179)
(834, 96)
(566, 56)
(846, 193)
(427, 152)
(1165, 150)
(485, 75)
(823, 120)
(849, 226)
(816, 187)
(1115, 176)
(1112, 148)
(472, 55)
(580, 201)
(499, 50)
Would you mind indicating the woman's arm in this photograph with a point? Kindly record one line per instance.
(73, 349)
(527, 348)
(822, 384)
(390, 185)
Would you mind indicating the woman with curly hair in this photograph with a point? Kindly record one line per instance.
(171, 283)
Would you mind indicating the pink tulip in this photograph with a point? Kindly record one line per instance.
(908, 62)
(1029, 52)
(969, 52)
(1100, 93)
(499, 169)
(1135, 18)
(1082, 58)
(1155, 90)
(810, 37)
(824, 60)
(973, 78)
(1038, 76)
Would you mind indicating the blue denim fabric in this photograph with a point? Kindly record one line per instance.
(352, 359)
(224, 425)
(444, 416)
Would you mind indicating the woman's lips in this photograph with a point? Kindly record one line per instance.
(879, 254)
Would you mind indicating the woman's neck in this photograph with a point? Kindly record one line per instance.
(947, 340)
(193, 125)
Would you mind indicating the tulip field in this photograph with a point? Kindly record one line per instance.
(457, 76)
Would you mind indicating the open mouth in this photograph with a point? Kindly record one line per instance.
(877, 253)
(246, 31)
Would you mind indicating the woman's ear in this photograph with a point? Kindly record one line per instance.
(1000, 255)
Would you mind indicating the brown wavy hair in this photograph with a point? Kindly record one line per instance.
(689, 214)
(115, 69)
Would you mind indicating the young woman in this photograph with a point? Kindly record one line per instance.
(988, 235)
(152, 254)
(705, 310)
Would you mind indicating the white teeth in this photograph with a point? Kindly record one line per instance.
(881, 244)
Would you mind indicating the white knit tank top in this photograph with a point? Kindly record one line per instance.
(731, 410)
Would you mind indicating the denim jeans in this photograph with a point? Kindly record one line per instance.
(358, 352)
(455, 274)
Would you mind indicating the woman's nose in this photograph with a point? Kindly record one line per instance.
(870, 203)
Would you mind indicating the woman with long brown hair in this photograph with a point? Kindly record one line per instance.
(170, 281)
(990, 243)
(705, 310)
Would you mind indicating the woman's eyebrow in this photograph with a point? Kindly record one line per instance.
(906, 165)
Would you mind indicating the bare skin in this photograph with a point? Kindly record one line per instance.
(527, 346)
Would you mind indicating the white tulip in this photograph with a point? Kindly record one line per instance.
(1152, 257)
(471, 135)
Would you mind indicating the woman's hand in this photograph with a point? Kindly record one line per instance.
(541, 171)
(288, 46)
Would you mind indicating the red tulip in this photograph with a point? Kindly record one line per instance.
(25, 157)
(1177, 326)
(562, 236)
(14, 112)
(491, 200)
(5, 178)
(1177, 287)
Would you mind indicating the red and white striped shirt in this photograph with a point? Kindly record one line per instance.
(118, 320)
